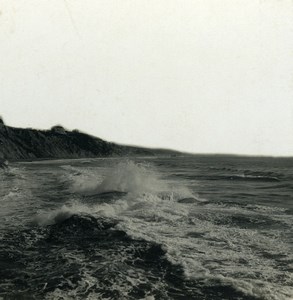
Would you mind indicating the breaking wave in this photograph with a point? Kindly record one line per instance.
(127, 177)
(129, 231)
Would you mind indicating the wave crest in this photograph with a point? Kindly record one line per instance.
(127, 177)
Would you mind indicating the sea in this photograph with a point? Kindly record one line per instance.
(169, 227)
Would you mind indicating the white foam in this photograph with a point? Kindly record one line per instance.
(82, 180)
(44, 218)
(126, 176)
(191, 233)
(130, 177)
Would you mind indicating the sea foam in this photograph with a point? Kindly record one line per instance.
(127, 176)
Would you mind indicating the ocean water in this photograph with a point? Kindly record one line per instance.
(201, 227)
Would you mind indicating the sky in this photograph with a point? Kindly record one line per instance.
(202, 76)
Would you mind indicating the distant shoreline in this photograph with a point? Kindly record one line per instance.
(27, 144)
(20, 144)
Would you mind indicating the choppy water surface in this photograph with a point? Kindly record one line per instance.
(199, 227)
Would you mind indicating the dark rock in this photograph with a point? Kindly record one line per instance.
(2, 124)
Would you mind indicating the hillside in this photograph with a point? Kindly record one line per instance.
(21, 144)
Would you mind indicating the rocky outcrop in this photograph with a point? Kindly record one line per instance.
(2, 124)
(19, 143)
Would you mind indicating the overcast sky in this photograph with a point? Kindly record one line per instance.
(203, 76)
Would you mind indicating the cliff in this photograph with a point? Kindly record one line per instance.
(19, 143)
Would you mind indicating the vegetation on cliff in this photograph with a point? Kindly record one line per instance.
(19, 143)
